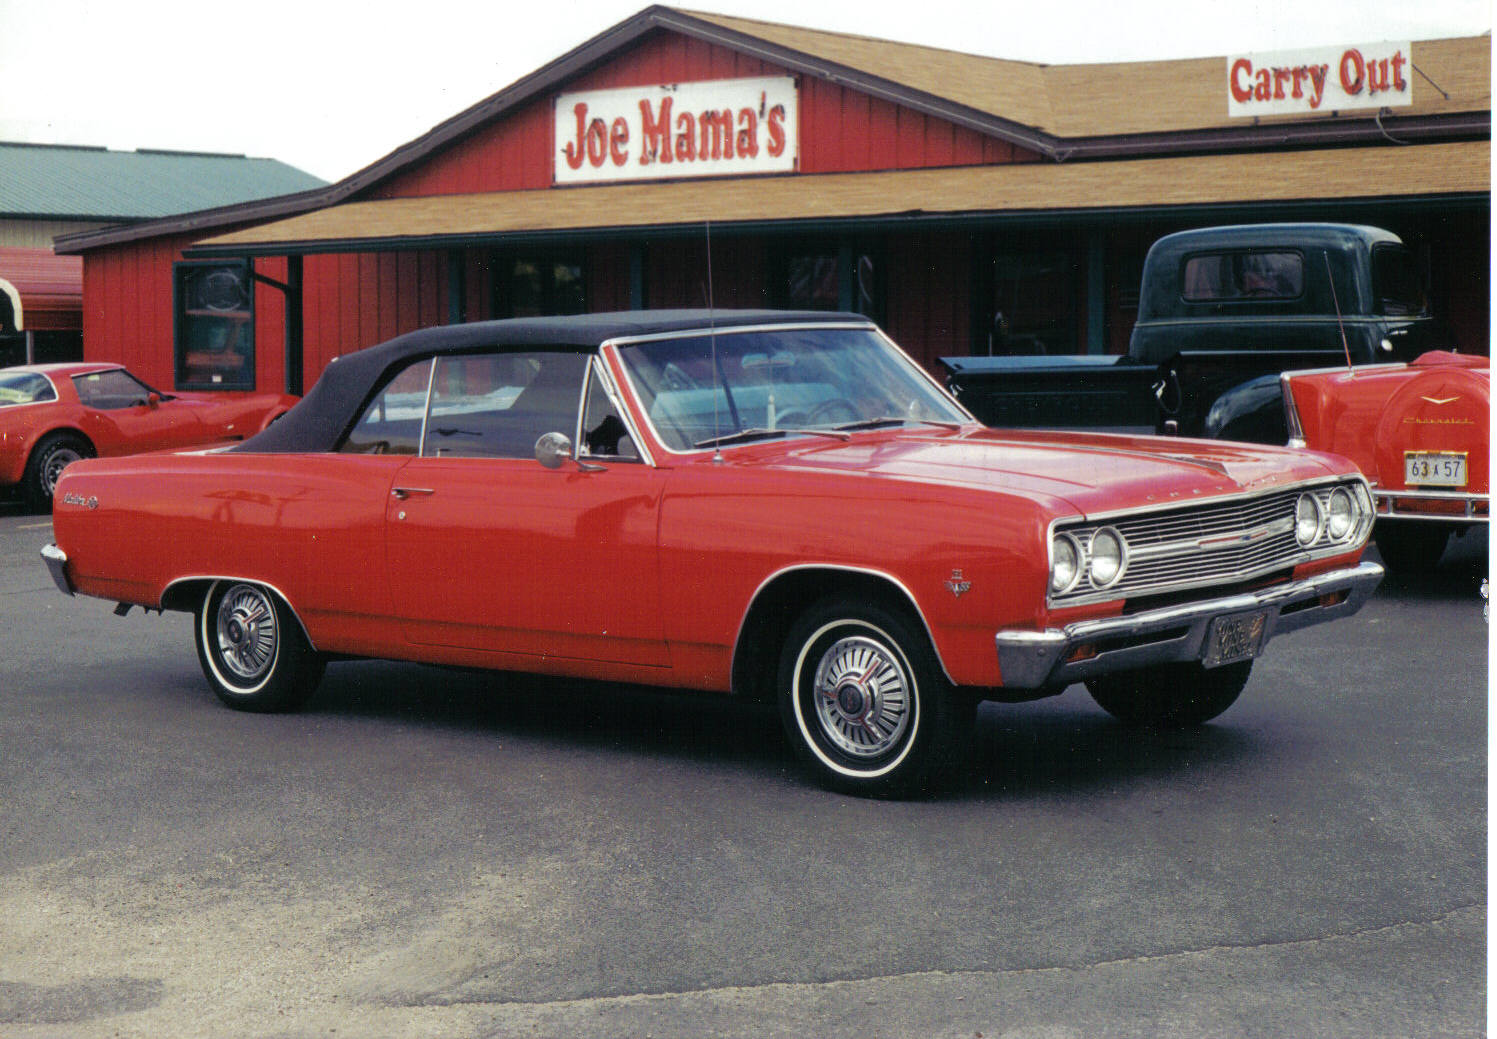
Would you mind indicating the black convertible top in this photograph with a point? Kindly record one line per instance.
(351, 380)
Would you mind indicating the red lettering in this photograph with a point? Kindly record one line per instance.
(1377, 76)
(618, 141)
(1399, 83)
(1317, 79)
(1352, 59)
(1241, 94)
(748, 133)
(656, 145)
(1300, 74)
(1279, 76)
(577, 149)
(686, 137)
(777, 131)
(1264, 90)
(716, 134)
(597, 142)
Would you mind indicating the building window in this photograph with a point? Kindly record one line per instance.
(831, 278)
(540, 286)
(1226, 277)
(1036, 297)
(215, 326)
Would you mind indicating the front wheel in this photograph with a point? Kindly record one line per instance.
(1170, 696)
(866, 705)
(252, 649)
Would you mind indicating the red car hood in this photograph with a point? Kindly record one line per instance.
(1074, 472)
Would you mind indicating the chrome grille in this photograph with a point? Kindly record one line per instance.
(1195, 546)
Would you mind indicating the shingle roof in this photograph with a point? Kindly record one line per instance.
(66, 181)
(1078, 101)
(1068, 113)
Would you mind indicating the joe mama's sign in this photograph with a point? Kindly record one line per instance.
(1331, 79)
(727, 126)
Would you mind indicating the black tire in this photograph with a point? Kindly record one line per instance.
(866, 705)
(1170, 696)
(252, 649)
(52, 454)
(1410, 546)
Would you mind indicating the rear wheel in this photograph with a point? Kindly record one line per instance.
(1410, 546)
(1170, 696)
(44, 468)
(252, 649)
(865, 703)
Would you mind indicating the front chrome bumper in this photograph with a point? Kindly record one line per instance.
(1060, 656)
(57, 565)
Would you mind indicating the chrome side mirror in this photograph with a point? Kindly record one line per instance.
(552, 449)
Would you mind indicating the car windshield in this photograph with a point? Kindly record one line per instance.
(702, 390)
(24, 388)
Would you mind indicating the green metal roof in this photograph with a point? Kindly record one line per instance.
(66, 181)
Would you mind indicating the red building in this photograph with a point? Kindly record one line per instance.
(928, 189)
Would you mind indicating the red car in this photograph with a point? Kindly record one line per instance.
(774, 505)
(1421, 432)
(54, 414)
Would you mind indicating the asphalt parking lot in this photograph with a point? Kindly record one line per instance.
(428, 853)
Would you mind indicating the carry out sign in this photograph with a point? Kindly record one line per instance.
(728, 126)
(1327, 79)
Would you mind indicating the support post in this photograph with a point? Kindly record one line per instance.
(294, 328)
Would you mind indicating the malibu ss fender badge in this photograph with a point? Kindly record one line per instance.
(958, 584)
(90, 502)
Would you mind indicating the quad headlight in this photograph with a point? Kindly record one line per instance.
(1106, 556)
(1099, 563)
(1341, 516)
(1308, 520)
(1065, 564)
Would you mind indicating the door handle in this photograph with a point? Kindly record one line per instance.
(402, 493)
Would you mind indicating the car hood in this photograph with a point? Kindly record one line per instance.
(1077, 472)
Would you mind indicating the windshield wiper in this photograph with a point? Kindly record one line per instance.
(894, 420)
(759, 433)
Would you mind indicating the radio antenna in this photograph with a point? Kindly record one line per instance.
(717, 451)
(1337, 304)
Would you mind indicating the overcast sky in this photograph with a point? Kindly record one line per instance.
(332, 85)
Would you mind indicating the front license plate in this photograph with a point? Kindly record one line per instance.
(1230, 639)
(1434, 469)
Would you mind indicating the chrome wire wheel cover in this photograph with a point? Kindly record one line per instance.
(248, 637)
(863, 697)
(52, 466)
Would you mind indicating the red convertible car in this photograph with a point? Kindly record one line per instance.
(1421, 432)
(775, 505)
(51, 415)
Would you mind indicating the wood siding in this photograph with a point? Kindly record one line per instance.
(841, 129)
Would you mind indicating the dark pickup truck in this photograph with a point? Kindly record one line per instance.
(1222, 311)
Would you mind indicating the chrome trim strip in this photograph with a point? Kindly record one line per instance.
(431, 380)
(598, 368)
(57, 565)
(841, 568)
(166, 591)
(1033, 659)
